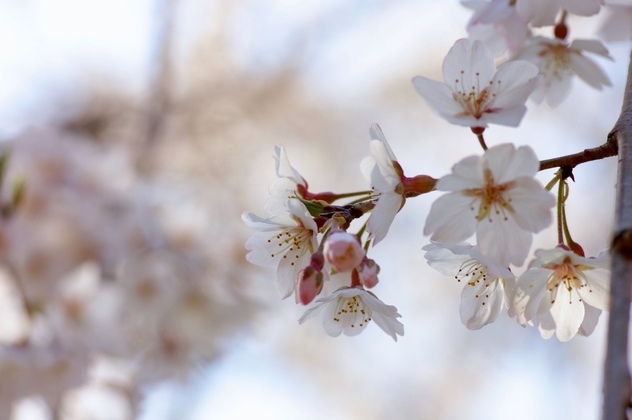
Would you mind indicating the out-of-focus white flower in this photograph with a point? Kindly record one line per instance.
(475, 93)
(558, 61)
(387, 179)
(617, 26)
(343, 250)
(87, 313)
(31, 408)
(497, 24)
(350, 309)
(543, 12)
(496, 197)
(564, 292)
(487, 287)
(285, 241)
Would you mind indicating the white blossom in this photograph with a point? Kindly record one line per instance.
(475, 93)
(350, 309)
(564, 292)
(558, 61)
(487, 288)
(496, 197)
(285, 241)
(379, 171)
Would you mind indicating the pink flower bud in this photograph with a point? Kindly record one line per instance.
(309, 284)
(367, 273)
(343, 251)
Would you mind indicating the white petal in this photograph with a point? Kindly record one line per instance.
(510, 79)
(481, 303)
(466, 174)
(502, 241)
(508, 116)
(375, 132)
(332, 327)
(531, 204)
(597, 292)
(443, 259)
(386, 179)
(283, 167)
(589, 71)
(507, 163)
(557, 89)
(312, 312)
(269, 224)
(530, 291)
(451, 219)
(491, 12)
(389, 325)
(568, 313)
(591, 318)
(438, 95)
(538, 12)
(383, 215)
(582, 7)
(591, 45)
(367, 167)
(546, 324)
(288, 271)
(471, 63)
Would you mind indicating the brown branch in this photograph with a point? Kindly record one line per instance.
(616, 387)
(608, 149)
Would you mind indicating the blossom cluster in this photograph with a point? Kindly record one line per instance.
(103, 290)
(493, 197)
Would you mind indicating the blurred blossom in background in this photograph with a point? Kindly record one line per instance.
(143, 129)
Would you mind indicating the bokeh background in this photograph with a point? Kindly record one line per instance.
(169, 110)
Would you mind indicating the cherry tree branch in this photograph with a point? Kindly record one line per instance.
(608, 149)
(616, 385)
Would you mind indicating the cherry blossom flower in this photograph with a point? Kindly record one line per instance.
(475, 93)
(496, 197)
(387, 179)
(564, 292)
(558, 61)
(487, 289)
(350, 309)
(497, 24)
(543, 12)
(285, 241)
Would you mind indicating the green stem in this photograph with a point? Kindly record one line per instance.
(567, 233)
(554, 181)
(359, 200)
(560, 211)
(352, 194)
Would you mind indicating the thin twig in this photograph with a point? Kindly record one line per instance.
(608, 149)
